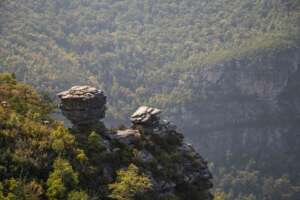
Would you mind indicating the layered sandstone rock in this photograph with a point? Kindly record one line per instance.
(152, 144)
(145, 115)
(83, 104)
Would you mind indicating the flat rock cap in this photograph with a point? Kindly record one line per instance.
(83, 92)
(144, 114)
(83, 104)
(143, 110)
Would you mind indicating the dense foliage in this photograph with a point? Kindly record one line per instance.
(32, 145)
(129, 184)
(40, 159)
(137, 52)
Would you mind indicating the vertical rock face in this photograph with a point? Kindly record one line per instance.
(83, 105)
(251, 104)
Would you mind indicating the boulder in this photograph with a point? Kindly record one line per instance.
(145, 115)
(128, 136)
(83, 105)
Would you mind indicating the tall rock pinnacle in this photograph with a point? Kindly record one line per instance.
(83, 105)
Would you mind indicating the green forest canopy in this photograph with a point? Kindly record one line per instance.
(136, 50)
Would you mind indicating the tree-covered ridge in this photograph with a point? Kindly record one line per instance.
(40, 159)
(30, 141)
(125, 46)
(37, 153)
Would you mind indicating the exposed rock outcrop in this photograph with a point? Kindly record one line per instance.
(128, 136)
(145, 115)
(83, 105)
(171, 163)
(152, 144)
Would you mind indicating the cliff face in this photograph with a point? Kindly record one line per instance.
(173, 167)
(249, 105)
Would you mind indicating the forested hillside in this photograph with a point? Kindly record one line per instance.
(127, 47)
(41, 159)
(225, 69)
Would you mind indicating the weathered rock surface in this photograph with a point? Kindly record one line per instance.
(127, 136)
(152, 144)
(250, 106)
(83, 104)
(145, 115)
(170, 163)
(177, 164)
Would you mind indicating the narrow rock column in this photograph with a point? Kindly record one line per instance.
(83, 105)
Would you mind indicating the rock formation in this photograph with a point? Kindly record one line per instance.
(171, 163)
(83, 105)
(128, 136)
(145, 115)
(152, 144)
